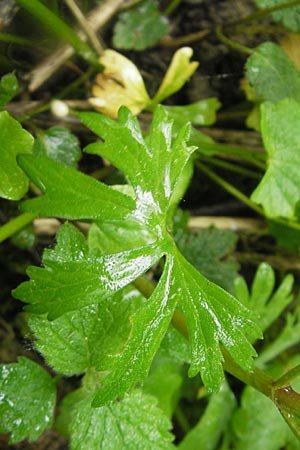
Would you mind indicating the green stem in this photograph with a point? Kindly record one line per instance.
(261, 14)
(245, 154)
(233, 44)
(229, 188)
(285, 379)
(171, 6)
(12, 38)
(15, 225)
(232, 167)
(59, 27)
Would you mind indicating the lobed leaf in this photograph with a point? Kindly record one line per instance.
(71, 194)
(133, 423)
(199, 113)
(213, 317)
(27, 400)
(73, 283)
(14, 140)
(149, 325)
(279, 190)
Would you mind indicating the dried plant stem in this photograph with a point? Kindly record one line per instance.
(96, 19)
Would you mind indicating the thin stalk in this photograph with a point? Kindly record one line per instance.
(12, 38)
(14, 225)
(285, 379)
(233, 44)
(245, 154)
(261, 14)
(232, 167)
(229, 188)
(171, 7)
(61, 29)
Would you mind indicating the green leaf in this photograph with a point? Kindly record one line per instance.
(153, 165)
(279, 190)
(71, 194)
(213, 317)
(8, 88)
(273, 74)
(149, 325)
(27, 400)
(209, 252)
(141, 27)
(214, 421)
(199, 113)
(74, 281)
(254, 428)
(14, 139)
(133, 423)
(84, 338)
(290, 17)
(285, 236)
(267, 305)
(59, 144)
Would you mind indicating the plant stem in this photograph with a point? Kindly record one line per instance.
(233, 44)
(230, 188)
(285, 379)
(232, 167)
(261, 14)
(59, 27)
(15, 225)
(12, 38)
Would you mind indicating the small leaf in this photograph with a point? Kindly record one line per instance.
(14, 139)
(59, 144)
(290, 17)
(178, 73)
(27, 400)
(273, 74)
(133, 423)
(279, 190)
(202, 112)
(141, 27)
(8, 88)
(149, 325)
(71, 194)
(120, 84)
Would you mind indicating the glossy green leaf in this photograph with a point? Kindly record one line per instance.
(141, 27)
(214, 421)
(8, 88)
(85, 338)
(133, 423)
(149, 325)
(290, 17)
(14, 139)
(273, 74)
(71, 194)
(209, 251)
(213, 317)
(152, 166)
(199, 113)
(27, 400)
(74, 281)
(279, 190)
(254, 428)
(266, 304)
(59, 144)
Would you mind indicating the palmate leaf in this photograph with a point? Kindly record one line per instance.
(279, 190)
(84, 275)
